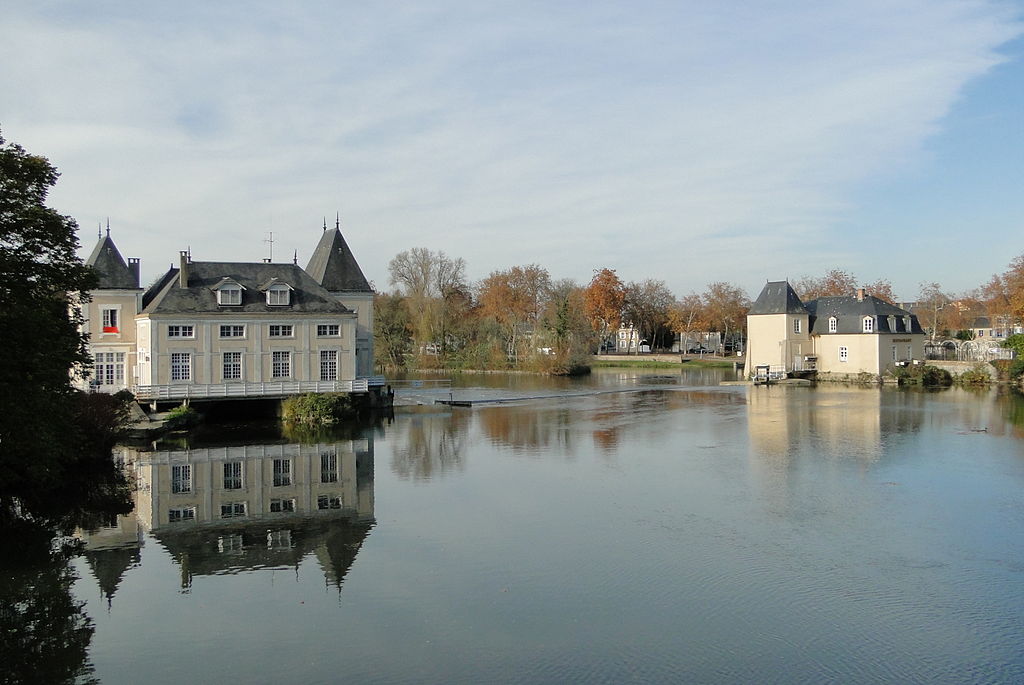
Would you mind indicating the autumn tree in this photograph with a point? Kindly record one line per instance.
(647, 306)
(515, 298)
(726, 307)
(688, 316)
(604, 300)
(882, 289)
(834, 282)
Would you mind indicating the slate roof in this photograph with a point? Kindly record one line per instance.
(334, 266)
(777, 297)
(850, 312)
(110, 266)
(307, 297)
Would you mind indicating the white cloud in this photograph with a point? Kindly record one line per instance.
(682, 142)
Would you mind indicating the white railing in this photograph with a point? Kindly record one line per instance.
(227, 390)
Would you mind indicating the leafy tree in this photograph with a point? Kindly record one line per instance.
(42, 282)
(726, 306)
(687, 317)
(1016, 343)
(391, 334)
(435, 290)
(647, 307)
(604, 300)
(515, 299)
(931, 306)
(834, 282)
(882, 289)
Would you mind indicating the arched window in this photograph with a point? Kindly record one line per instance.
(833, 324)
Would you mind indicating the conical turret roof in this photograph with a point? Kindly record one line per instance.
(334, 266)
(110, 266)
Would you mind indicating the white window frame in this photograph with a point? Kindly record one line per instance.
(279, 295)
(232, 330)
(182, 331)
(110, 317)
(277, 330)
(181, 478)
(797, 328)
(844, 353)
(234, 366)
(229, 295)
(233, 509)
(895, 353)
(108, 368)
(328, 330)
(328, 467)
(285, 505)
(181, 366)
(282, 473)
(281, 364)
(234, 475)
(328, 501)
(329, 365)
(179, 514)
(833, 324)
(867, 324)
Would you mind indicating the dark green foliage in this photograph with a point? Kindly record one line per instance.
(182, 417)
(50, 435)
(976, 376)
(1016, 369)
(318, 409)
(928, 376)
(1016, 343)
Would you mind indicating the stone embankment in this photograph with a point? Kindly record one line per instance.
(957, 368)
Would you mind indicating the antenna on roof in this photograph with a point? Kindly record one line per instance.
(325, 223)
(99, 229)
(270, 240)
(337, 221)
(108, 225)
(295, 258)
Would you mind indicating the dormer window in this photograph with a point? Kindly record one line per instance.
(906, 324)
(229, 295)
(278, 295)
(229, 292)
(833, 324)
(797, 327)
(868, 324)
(892, 324)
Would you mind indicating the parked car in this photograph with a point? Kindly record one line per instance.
(699, 349)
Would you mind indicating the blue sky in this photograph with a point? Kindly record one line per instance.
(685, 141)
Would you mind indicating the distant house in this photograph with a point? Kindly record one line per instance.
(204, 323)
(844, 335)
(984, 328)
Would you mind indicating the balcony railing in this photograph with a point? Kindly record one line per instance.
(245, 390)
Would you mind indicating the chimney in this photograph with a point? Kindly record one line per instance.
(860, 294)
(134, 267)
(183, 269)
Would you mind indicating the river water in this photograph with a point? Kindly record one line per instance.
(627, 527)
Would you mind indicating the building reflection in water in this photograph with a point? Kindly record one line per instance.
(220, 510)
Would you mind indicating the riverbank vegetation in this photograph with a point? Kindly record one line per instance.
(319, 409)
(521, 318)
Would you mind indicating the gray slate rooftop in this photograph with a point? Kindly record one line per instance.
(110, 266)
(334, 266)
(307, 297)
(778, 297)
